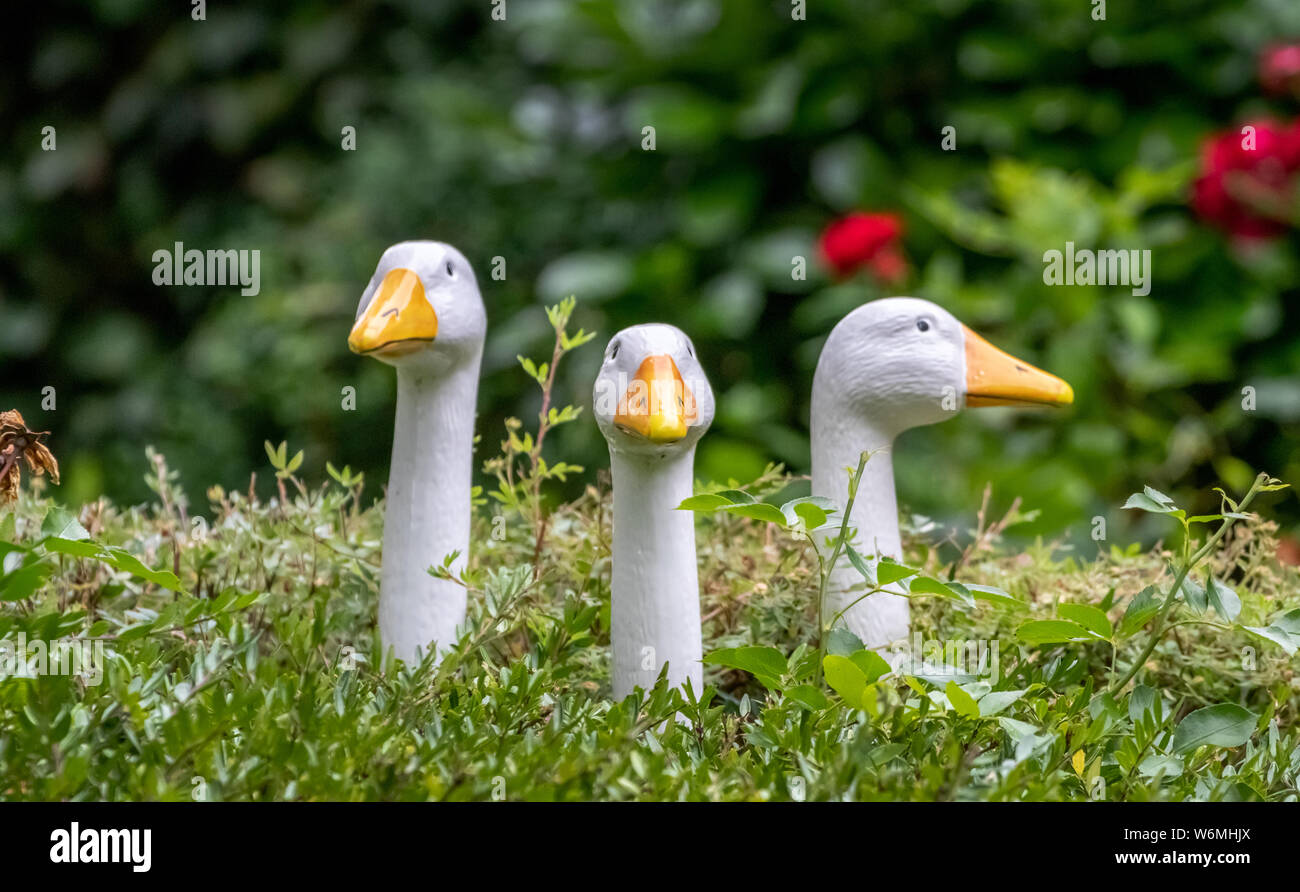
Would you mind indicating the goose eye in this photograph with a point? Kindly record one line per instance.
(922, 325)
(613, 352)
(451, 270)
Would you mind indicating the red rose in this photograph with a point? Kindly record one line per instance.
(1248, 180)
(869, 240)
(1279, 68)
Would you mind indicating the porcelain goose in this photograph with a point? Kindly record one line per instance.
(423, 315)
(891, 365)
(653, 402)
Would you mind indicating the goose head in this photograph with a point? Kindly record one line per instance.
(652, 397)
(422, 310)
(905, 362)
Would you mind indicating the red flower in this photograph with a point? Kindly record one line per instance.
(870, 240)
(1248, 179)
(1279, 68)
(1288, 550)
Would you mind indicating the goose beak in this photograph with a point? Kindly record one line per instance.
(399, 320)
(657, 404)
(995, 378)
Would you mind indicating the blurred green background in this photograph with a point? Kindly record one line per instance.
(522, 139)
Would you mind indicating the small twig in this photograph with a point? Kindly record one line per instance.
(1158, 629)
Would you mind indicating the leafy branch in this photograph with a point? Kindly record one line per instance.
(521, 469)
(804, 517)
(1284, 631)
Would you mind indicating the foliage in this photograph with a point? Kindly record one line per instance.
(520, 488)
(254, 671)
(862, 677)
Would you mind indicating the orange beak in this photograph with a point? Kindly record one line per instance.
(995, 378)
(657, 405)
(399, 320)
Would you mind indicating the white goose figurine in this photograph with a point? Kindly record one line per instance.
(653, 402)
(891, 365)
(422, 314)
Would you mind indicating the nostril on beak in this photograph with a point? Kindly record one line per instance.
(392, 312)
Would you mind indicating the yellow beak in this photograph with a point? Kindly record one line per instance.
(995, 378)
(399, 320)
(657, 404)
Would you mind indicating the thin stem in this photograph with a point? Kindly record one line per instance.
(853, 603)
(536, 455)
(1158, 629)
(828, 567)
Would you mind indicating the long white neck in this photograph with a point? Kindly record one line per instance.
(655, 611)
(428, 511)
(838, 440)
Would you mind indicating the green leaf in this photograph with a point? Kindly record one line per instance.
(812, 515)
(1277, 635)
(882, 754)
(1145, 699)
(995, 701)
(1143, 501)
(759, 511)
(1158, 497)
(63, 524)
(1144, 606)
(860, 564)
(847, 679)
(1193, 594)
(809, 696)
(1289, 622)
(843, 642)
(1224, 725)
(994, 595)
(707, 502)
(1223, 599)
(928, 585)
(737, 496)
(1283, 631)
(767, 664)
(1053, 631)
(25, 580)
(961, 701)
(75, 548)
(888, 571)
(872, 664)
(124, 560)
(1091, 618)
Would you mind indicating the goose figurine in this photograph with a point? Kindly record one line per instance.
(652, 403)
(890, 365)
(422, 314)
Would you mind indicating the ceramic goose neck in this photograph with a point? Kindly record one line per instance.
(838, 443)
(838, 440)
(655, 613)
(428, 511)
